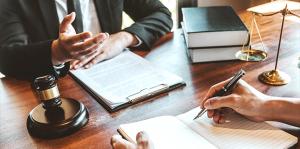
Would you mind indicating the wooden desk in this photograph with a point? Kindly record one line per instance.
(17, 98)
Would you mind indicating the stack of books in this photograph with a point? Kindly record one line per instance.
(213, 33)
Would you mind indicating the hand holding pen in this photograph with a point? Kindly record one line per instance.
(224, 90)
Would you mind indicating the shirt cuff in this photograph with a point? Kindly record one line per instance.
(139, 41)
(60, 66)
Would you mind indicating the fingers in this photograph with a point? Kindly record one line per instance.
(90, 51)
(213, 90)
(91, 60)
(72, 46)
(214, 105)
(98, 58)
(73, 64)
(95, 41)
(115, 138)
(222, 119)
(82, 49)
(210, 113)
(218, 102)
(143, 141)
(117, 142)
(68, 20)
(217, 115)
(76, 38)
(85, 60)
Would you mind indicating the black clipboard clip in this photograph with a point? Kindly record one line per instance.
(147, 92)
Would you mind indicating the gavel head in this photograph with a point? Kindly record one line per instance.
(47, 91)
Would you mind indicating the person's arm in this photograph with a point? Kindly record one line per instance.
(285, 110)
(17, 58)
(113, 46)
(152, 20)
(21, 58)
(28, 61)
(253, 104)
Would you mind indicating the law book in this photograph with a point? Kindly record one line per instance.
(211, 54)
(216, 26)
(182, 132)
(125, 80)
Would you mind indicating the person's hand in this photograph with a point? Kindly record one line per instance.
(244, 100)
(142, 139)
(113, 46)
(71, 46)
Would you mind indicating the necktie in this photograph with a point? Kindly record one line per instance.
(74, 6)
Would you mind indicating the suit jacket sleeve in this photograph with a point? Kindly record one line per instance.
(152, 20)
(18, 57)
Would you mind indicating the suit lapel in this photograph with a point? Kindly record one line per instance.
(49, 13)
(104, 15)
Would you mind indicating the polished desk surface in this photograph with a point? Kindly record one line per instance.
(17, 98)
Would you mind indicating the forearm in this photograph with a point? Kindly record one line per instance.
(151, 21)
(127, 39)
(283, 109)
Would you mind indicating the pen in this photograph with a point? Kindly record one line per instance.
(227, 88)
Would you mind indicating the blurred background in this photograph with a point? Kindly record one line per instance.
(176, 5)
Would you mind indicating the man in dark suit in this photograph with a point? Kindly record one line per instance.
(32, 43)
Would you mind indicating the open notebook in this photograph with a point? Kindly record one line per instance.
(182, 132)
(124, 80)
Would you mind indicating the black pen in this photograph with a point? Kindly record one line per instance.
(227, 88)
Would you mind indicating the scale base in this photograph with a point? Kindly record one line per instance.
(62, 121)
(251, 55)
(274, 77)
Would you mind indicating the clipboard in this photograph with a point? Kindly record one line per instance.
(154, 81)
(135, 98)
(147, 92)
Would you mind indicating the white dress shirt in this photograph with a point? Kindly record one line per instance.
(89, 16)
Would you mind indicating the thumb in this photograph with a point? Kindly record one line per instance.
(118, 142)
(143, 141)
(220, 102)
(68, 20)
(215, 88)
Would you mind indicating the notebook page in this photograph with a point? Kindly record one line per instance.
(238, 132)
(126, 74)
(166, 132)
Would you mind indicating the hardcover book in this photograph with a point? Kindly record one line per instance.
(211, 54)
(217, 26)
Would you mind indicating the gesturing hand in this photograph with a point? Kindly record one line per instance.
(142, 139)
(113, 46)
(70, 45)
(244, 99)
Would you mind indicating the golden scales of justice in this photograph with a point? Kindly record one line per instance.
(248, 53)
(284, 7)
